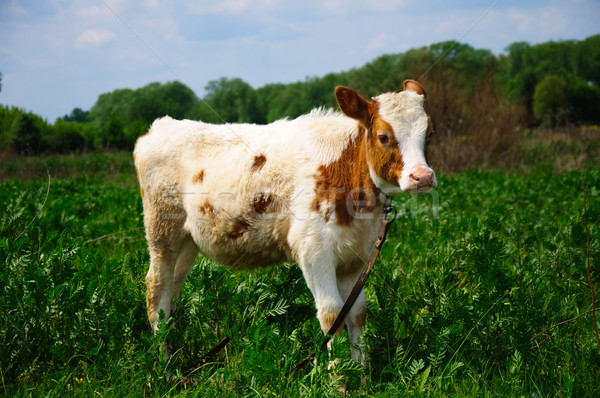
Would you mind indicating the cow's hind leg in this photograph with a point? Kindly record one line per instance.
(159, 286)
(185, 261)
(164, 220)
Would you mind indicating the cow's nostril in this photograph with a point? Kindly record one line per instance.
(421, 178)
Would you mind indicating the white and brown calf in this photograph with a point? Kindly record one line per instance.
(307, 190)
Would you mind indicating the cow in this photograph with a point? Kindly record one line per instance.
(308, 191)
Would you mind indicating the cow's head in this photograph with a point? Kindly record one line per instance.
(396, 130)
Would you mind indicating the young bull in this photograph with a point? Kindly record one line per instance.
(308, 190)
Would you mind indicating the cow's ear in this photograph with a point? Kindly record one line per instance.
(412, 85)
(353, 105)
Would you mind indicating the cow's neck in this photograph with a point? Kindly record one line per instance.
(346, 182)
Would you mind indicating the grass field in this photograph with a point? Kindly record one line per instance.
(466, 281)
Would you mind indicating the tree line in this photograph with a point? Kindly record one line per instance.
(472, 95)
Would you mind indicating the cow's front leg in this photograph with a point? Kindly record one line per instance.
(355, 320)
(318, 268)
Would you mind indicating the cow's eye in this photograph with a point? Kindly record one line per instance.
(430, 131)
(430, 135)
(384, 139)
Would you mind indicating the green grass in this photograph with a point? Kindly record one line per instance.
(454, 302)
(112, 168)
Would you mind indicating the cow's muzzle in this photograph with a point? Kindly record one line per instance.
(421, 180)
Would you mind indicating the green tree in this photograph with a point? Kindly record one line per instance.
(77, 115)
(156, 100)
(277, 101)
(28, 131)
(584, 100)
(228, 101)
(115, 103)
(550, 100)
(7, 116)
(146, 103)
(586, 59)
(286, 101)
(68, 136)
(112, 134)
(121, 114)
(133, 130)
(380, 75)
(526, 66)
(518, 73)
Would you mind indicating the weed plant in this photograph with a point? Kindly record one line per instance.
(465, 282)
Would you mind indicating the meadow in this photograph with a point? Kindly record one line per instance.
(467, 298)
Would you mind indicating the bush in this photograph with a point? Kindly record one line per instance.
(28, 131)
(112, 135)
(550, 100)
(133, 130)
(67, 137)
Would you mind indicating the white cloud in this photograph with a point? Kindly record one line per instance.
(94, 38)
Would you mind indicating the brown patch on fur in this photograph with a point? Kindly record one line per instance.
(327, 319)
(349, 268)
(261, 203)
(198, 177)
(206, 208)
(346, 183)
(386, 159)
(240, 226)
(259, 162)
(152, 299)
(361, 317)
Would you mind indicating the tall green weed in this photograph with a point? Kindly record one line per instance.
(466, 280)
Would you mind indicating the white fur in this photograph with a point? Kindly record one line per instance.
(184, 215)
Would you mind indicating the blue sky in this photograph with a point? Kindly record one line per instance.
(61, 54)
